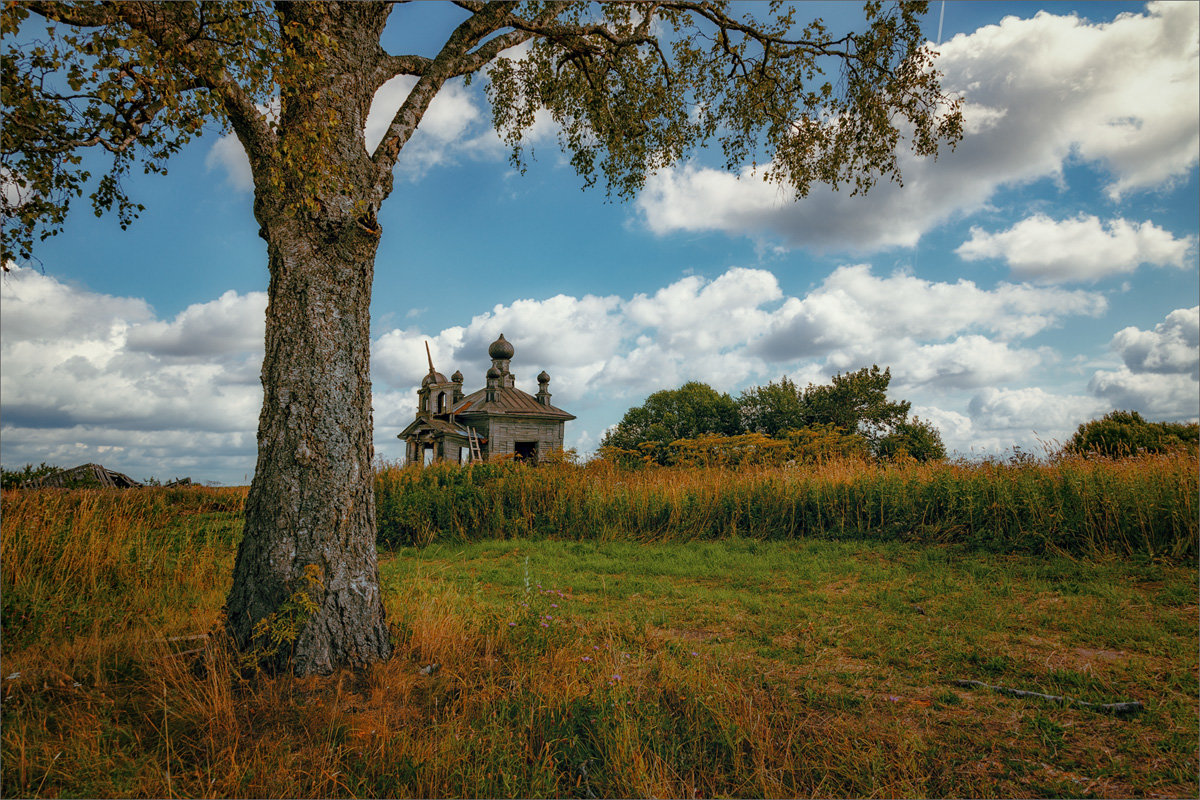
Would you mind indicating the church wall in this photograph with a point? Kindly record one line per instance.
(505, 433)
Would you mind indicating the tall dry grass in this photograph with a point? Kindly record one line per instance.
(88, 569)
(111, 686)
(1145, 505)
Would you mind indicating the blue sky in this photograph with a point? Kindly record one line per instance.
(1042, 274)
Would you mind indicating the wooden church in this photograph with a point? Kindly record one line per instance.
(498, 420)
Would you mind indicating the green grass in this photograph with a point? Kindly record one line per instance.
(857, 640)
(577, 666)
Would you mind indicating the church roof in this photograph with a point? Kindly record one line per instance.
(433, 424)
(509, 402)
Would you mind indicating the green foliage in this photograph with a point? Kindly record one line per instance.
(12, 478)
(633, 92)
(856, 402)
(915, 438)
(850, 416)
(125, 83)
(746, 667)
(632, 87)
(819, 444)
(773, 409)
(692, 410)
(69, 553)
(1125, 433)
(816, 445)
(277, 632)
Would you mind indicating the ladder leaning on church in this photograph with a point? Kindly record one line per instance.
(473, 438)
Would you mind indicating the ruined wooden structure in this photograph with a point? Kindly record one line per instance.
(85, 476)
(498, 420)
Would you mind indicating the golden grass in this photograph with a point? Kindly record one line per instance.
(1145, 505)
(798, 668)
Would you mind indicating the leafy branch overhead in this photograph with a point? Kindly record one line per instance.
(632, 88)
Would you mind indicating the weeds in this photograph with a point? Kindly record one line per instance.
(589, 662)
(1140, 506)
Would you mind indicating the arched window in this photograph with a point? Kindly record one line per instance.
(441, 403)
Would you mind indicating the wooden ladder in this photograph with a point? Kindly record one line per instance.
(473, 439)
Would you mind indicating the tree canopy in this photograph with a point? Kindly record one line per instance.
(684, 413)
(630, 87)
(852, 411)
(915, 438)
(854, 402)
(1126, 433)
(774, 408)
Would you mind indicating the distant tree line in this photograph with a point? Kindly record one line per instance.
(12, 478)
(852, 415)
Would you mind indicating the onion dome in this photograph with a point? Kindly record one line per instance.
(457, 377)
(433, 377)
(501, 348)
(493, 373)
(543, 377)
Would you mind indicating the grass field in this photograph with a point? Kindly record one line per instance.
(595, 667)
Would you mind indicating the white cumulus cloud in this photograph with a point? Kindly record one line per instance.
(1030, 417)
(93, 377)
(1160, 376)
(855, 312)
(1124, 96)
(1172, 347)
(105, 379)
(1081, 249)
(739, 328)
(231, 324)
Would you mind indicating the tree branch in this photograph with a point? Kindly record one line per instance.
(204, 62)
(176, 29)
(448, 63)
(94, 16)
(389, 66)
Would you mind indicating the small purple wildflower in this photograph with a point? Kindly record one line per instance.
(554, 605)
(545, 624)
(512, 624)
(586, 658)
(695, 653)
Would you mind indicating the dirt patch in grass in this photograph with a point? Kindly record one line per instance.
(684, 634)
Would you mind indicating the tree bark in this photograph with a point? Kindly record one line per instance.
(312, 498)
(305, 593)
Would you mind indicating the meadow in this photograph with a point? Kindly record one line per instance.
(659, 632)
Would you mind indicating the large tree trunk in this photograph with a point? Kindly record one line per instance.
(305, 590)
(307, 563)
